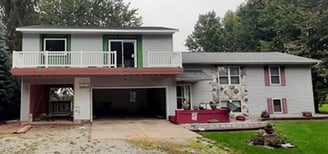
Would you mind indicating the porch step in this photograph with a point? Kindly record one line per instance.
(224, 126)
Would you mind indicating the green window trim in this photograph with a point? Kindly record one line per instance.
(67, 36)
(138, 39)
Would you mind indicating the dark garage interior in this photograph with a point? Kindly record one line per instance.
(137, 102)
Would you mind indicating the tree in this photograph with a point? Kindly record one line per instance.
(113, 13)
(232, 26)
(297, 27)
(9, 102)
(207, 35)
(17, 13)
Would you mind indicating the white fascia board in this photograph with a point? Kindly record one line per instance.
(71, 30)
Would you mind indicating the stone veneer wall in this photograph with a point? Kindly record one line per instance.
(231, 92)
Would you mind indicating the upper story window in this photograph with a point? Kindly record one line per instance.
(229, 75)
(274, 75)
(55, 44)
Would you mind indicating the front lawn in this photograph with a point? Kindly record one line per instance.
(323, 108)
(310, 137)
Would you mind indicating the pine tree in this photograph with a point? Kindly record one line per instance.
(9, 102)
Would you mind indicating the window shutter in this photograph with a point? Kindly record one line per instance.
(266, 76)
(270, 106)
(282, 76)
(284, 105)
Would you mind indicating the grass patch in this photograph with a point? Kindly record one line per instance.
(323, 108)
(310, 137)
(199, 146)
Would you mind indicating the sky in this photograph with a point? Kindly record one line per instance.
(180, 14)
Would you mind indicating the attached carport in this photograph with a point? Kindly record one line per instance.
(129, 102)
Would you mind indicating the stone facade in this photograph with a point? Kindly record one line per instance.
(226, 92)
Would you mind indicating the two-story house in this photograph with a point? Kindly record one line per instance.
(118, 71)
(135, 71)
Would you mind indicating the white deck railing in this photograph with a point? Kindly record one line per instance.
(32, 59)
(164, 59)
(82, 59)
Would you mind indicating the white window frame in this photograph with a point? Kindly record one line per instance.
(46, 39)
(281, 108)
(125, 41)
(229, 75)
(183, 97)
(241, 109)
(278, 76)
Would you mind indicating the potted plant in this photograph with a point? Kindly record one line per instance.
(269, 128)
(307, 114)
(185, 105)
(213, 105)
(265, 114)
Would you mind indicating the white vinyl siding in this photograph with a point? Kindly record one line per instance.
(298, 91)
(153, 43)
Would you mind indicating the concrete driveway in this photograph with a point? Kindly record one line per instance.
(139, 128)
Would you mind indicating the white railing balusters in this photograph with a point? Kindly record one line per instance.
(82, 59)
(164, 59)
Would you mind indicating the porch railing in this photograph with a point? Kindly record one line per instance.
(82, 59)
(32, 59)
(164, 59)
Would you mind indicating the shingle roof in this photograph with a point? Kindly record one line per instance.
(244, 58)
(55, 28)
(193, 75)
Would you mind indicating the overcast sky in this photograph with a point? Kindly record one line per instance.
(180, 14)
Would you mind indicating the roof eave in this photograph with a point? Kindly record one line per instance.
(73, 30)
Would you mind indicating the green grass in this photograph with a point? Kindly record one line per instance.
(310, 137)
(323, 108)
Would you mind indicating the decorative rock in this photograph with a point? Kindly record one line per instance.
(287, 145)
(240, 118)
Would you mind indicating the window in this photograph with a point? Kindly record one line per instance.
(277, 107)
(237, 103)
(229, 75)
(183, 93)
(274, 75)
(55, 44)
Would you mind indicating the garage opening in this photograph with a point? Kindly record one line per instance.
(138, 102)
(51, 102)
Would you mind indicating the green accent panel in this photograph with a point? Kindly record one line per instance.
(138, 38)
(105, 43)
(139, 51)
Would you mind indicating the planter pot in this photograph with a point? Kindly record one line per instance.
(307, 114)
(265, 115)
(240, 118)
(213, 106)
(186, 106)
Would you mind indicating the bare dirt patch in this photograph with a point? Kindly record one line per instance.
(62, 139)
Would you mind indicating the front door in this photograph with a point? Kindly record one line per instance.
(125, 52)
